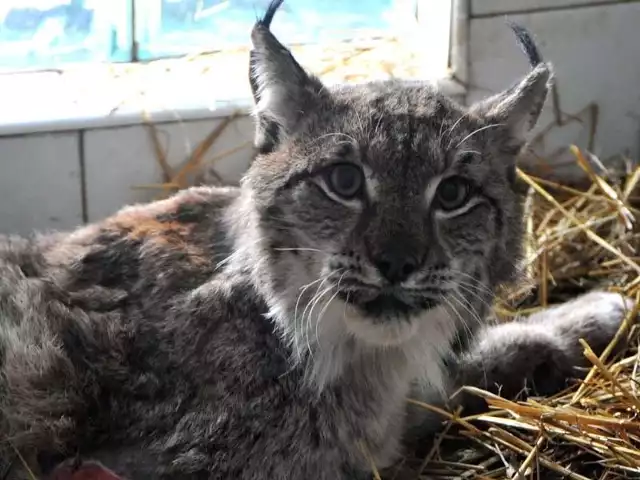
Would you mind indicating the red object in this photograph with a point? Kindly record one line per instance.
(87, 470)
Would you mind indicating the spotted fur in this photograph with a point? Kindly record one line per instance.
(230, 332)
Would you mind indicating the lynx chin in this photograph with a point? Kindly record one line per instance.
(271, 331)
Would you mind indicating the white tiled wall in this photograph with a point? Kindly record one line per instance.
(40, 183)
(594, 50)
(42, 175)
(117, 160)
(56, 181)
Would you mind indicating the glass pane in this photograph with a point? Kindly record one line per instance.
(36, 34)
(174, 27)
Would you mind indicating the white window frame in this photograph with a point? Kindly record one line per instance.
(31, 93)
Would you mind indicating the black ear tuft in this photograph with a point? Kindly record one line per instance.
(282, 91)
(264, 22)
(270, 13)
(527, 44)
(519, 107)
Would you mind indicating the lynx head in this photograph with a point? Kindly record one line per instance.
(385, 210)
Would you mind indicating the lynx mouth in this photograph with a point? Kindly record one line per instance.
(386, 304)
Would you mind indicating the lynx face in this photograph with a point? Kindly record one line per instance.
(389, 209)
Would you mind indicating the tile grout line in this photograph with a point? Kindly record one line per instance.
(83, 177)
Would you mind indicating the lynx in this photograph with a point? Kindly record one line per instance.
(275, 330)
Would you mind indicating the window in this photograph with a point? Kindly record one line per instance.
(190, 54)
(39, 34)
(175, 27)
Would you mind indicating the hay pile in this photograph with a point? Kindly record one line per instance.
(579, 239)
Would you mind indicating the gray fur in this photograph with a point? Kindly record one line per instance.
(225, 333)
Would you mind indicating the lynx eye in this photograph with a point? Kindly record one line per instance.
(345, 180)
(453, 193)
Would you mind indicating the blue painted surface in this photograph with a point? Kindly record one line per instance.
(49, 33)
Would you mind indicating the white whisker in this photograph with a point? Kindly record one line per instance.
(467, 306)
(469, 290)
(493, 125)
(334, 134)
(326, 305)
(303, 289)
(237, 253)
(307, 322)
(461, 317)
(456, 313)
(450, 130)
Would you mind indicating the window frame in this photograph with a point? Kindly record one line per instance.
(448, 71)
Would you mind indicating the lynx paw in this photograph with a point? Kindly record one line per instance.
(594, 317)
(539, 354)
(515, 359)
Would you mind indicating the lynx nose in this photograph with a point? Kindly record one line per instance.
(396, 266)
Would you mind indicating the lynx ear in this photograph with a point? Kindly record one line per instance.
(282, 90)
(519, 107)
